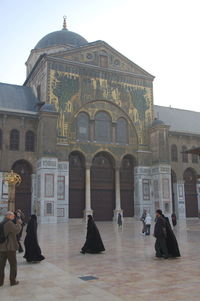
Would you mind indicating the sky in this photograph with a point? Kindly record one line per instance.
(161, 36)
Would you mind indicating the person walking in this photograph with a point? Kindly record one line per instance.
(148, 223)
(32, 249)
(160, 234)
(174, 219)
(19, 215)
(93, 242)
(119, 220)
(9, 247)
(143, 221)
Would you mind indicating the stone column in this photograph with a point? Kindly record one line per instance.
(88, 210)
(118, 208)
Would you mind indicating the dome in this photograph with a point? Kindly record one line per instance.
(61, 37)
(157, 122)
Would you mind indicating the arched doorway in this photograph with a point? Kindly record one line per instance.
(127, 185)
(174, 196)
(191, 200)
(76, 185)
(23, 191)
(102, 187)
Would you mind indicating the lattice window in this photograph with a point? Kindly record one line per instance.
(30, 141)
(14, 140)
(174, 153)
(82, 127)
(103, 127)
(194, 157)
(122, 131)
(184, 154)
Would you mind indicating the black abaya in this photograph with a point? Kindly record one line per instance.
(172, 244)
(93, 242)
(32, 248)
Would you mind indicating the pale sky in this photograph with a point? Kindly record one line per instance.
(161, 36)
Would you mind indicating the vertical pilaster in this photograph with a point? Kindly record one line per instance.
(63, 191)
(47, 189)
(181, 199)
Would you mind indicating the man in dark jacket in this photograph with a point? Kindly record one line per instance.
(160, 235)
(9, 247)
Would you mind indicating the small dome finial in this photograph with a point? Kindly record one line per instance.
(64, 22)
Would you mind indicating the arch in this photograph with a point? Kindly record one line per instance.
(23, 191)
(174, 153)
(191, 200)
(76, 184)
(1, 139)
(127, 185)
(103, 186)
(122, 133)
(30, 141)
(14, 139)
(194, 157)
(184, 154)
(103, 129)
(82, 126)
(174, 193)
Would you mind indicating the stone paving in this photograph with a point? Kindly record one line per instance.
(128, 270)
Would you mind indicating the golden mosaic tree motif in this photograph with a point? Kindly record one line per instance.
(13, 179)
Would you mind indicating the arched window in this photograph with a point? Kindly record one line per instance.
(29, 141)
(1, 139)
(184, 154)
(82, 127)
(174, 153)
(122, 131)
(194, 157)
(103, 127)
(14, 140)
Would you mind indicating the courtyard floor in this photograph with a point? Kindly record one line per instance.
(128, 270)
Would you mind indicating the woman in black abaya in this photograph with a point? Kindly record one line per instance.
(93, 242)
(32, 248)
(172, 244)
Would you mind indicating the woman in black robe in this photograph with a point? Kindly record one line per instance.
(32, 248)
(172, 244)
(93, 242)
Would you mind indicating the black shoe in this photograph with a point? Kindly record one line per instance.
(14, 283)
(82, 252)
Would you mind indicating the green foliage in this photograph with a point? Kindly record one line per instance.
(140, 101)
(64, 88)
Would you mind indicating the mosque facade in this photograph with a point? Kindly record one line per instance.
(86, 138)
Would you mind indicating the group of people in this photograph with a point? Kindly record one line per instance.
(166, 244)
(10, 235)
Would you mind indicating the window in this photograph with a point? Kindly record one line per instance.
(103, 61)
(39, 92)
(1, 140)
(30, 141)
(184, 154)
(174, 153)
(14, 140)
(82, 127)
(103, 127)
(122, 131)
(194, 157)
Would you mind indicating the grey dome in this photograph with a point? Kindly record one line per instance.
(61, 37)
(157, 122)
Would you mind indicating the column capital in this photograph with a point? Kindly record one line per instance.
(88, 165)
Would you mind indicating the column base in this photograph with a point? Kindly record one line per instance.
(116, 213)
(87, 212)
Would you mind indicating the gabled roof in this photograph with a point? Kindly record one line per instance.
(17, 99)
(179, 120)
(104, 46)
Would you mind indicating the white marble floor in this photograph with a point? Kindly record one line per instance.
(127, 270)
